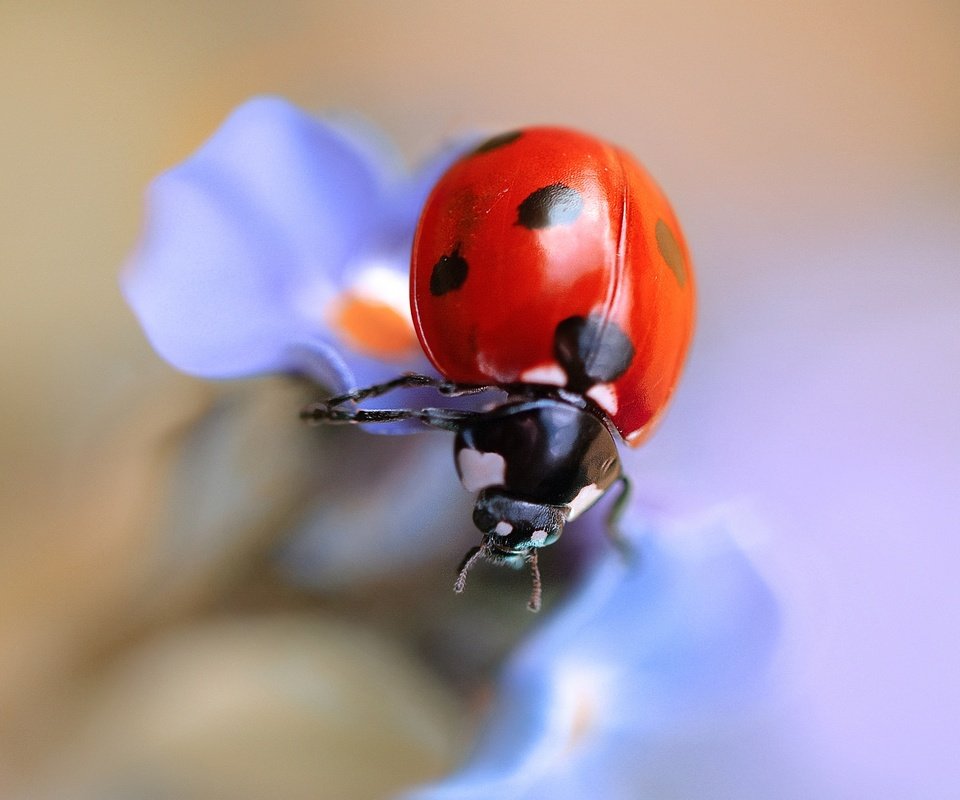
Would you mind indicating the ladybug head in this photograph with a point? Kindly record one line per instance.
(512, 526)
(513, 530)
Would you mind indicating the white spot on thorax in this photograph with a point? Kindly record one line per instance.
(480, 470)
(587, 496)
(551, 374)
(503, 528)
(605, 396)
(537, 538)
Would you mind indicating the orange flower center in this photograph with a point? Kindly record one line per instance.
(374, 328)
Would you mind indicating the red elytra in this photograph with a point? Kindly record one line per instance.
(542, 226)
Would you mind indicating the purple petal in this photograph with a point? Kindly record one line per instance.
(410, 197)
(241, 236)
(643, 659)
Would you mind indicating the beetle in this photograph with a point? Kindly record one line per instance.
(546, 263)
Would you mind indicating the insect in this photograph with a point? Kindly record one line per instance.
(548, 264)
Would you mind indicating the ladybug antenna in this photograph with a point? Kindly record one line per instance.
(537, 589)
(472, 557)
(482, 551)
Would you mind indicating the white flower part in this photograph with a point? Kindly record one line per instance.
(605, 396)
(586, 497)
(503, 528)
(379, 281)
(375, 282)
(551, 374)
(586, 697)
(480, 470)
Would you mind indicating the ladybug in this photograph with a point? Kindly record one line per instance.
(548, 264)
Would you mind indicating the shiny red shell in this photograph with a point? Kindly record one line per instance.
(544, 225)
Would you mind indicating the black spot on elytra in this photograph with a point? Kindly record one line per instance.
(449, 273)
(671, 252)
(556, 204)
(591, 350)
(497, 141)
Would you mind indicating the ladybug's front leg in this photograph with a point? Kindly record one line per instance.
(408, 380)
(330, 411)
(447, 419)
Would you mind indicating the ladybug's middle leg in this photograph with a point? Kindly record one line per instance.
(617, 537)
(447, 419)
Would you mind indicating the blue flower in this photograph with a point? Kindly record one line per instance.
(283, 246)
(619, 694)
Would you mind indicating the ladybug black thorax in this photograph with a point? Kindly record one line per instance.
(537, 463)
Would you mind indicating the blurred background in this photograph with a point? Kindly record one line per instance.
(812, 152)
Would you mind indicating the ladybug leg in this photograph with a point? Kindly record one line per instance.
(617, 538)
(447, 419)
(408, 380)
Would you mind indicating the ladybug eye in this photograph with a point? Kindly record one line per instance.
(484, 520)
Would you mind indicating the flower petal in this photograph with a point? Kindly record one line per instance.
(408, 200)
(642, 658)
(273, 205)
